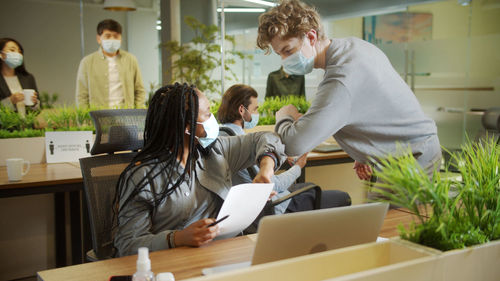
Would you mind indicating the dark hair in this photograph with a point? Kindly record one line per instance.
(171, 108)
(235, 96)
(109, 24)
(20, 69)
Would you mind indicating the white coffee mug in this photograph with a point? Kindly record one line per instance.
(28, 95)
(15, 168)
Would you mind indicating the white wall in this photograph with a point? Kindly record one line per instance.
(143, 43)
(49, 31)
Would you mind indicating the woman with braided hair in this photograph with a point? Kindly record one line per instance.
(176, 184)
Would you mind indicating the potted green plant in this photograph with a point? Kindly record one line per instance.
(196, 61)
(23, 136)
(271, 105)
(68, 118)
(460, 217)
(13, 125)
(19, 137)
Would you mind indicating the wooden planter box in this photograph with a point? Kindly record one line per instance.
(481, 262)
(395, 259)
(31, 149)
(330, 264)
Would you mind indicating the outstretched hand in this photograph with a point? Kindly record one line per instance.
(363, 171)
(288, 110)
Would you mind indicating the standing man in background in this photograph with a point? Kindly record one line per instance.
(109, 77)
(280, 83)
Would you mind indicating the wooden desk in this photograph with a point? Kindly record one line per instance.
(321, 159)
(43, 178)
(53, 178)
(186, 262)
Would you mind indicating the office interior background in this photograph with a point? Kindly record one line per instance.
(448, 51)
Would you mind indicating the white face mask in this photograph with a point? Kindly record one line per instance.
(211, 128)
(111, 45)
(13, 59)
(297, 63)
(252, 123)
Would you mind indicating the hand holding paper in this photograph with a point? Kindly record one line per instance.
(243, 204)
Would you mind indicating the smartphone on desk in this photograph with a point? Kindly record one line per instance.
(120, 278)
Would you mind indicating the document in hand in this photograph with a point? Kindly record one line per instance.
(243, 204)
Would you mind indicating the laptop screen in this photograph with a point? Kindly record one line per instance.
(291, 235)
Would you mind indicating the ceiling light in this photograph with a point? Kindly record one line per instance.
(119, 5)
(241, 10)
(261, 2)
(464, 2)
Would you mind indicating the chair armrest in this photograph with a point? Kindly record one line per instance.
(317, 201)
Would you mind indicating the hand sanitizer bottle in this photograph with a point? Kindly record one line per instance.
(144, 272)
(165, 276)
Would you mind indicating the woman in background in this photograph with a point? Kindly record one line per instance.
(14, 76)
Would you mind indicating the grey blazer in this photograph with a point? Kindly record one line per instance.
(141, 224)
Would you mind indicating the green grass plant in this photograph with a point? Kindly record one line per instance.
(10, 120)
(268, 109)
(26, 133)
(68, 118)
(469, 215)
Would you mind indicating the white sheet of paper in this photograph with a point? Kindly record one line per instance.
(243, 204)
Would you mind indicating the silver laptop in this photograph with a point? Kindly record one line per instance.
(291, 235)
(302, 233)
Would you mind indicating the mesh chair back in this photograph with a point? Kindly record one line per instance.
(118, 130)
(100, 175)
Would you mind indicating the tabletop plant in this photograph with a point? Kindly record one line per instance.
(196, 61)
(271, 105)
(13, 125)
(68, 118)
(450, 213)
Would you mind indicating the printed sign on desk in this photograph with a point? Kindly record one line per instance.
(67, 146)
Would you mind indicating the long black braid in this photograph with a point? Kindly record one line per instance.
(170, 110)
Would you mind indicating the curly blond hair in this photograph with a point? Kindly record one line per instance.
(291, 18)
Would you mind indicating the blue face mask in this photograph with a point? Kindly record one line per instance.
(212, 129)
(111, 45)
(253, 122)
(13, 59)
(298, 64)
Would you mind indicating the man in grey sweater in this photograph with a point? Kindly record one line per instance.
(362, 101)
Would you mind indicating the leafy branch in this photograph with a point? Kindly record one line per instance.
(195, 62)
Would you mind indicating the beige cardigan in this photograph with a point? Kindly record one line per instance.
(92, 84)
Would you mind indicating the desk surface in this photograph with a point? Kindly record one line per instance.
(186, 262)
(44, 174)
(43, 178)
(41, 175)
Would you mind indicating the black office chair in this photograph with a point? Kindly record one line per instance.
(116, 131)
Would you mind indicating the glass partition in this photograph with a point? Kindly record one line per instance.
(447, 52)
